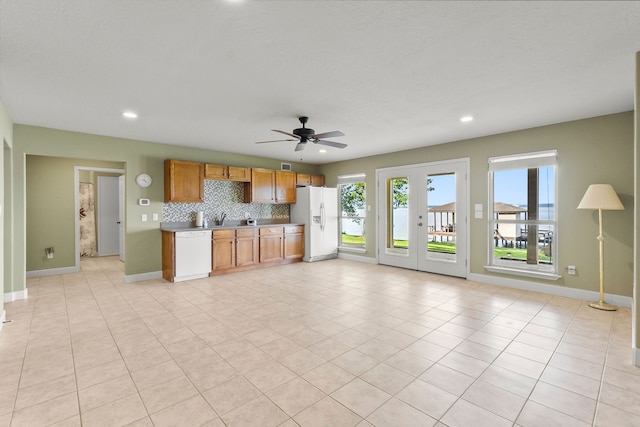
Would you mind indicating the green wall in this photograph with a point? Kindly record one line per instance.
(143, 241)
(596, 150)
(589, 151)
(51, 215)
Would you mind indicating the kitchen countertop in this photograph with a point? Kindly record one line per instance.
(230, 225)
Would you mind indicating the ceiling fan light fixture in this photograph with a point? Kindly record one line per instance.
(305, 134)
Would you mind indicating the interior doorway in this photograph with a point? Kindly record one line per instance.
(423, 213)
(99, 203)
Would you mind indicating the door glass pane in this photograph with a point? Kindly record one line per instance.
(441, 223)
(398, 203)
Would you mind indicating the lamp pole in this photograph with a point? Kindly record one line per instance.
(601, 305)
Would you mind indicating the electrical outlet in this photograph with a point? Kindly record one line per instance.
(571, 269)
(247, 215)
(144, 217)
(155, 217)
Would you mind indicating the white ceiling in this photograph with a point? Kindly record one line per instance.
(391, 75)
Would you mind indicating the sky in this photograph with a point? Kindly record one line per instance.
(509, 187)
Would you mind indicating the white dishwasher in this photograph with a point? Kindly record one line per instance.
(193, 254)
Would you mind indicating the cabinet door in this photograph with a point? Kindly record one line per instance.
(235, 173)
(303, 179)
(183, 181)
(261, 187)
(217, 172)
(285, 187)
(246, 251)
(294, 244)
(223, 251)
(317, 180)
(271, 244)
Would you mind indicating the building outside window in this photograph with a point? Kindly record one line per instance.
(353, 211)
(523, 226)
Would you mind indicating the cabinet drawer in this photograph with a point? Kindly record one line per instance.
(224, 234)
(270, 230)
(246, 232)
(293, 229)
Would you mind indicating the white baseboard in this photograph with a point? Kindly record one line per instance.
(52, 272)
(581, 294)
(143, 276)
(15, 296)
(357, 258)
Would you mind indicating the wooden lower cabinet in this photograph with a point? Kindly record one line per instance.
(271, 244)
(293, 241)
(168, 255)
(223, 249)
(246, 247)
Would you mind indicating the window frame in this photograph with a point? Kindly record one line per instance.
(524, 161)
(356, 178)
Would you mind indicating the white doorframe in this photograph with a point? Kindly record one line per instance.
(76, 184)
(416, 256)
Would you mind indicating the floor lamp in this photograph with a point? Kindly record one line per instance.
(603, 198)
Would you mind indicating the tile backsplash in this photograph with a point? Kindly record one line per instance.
(219, 197)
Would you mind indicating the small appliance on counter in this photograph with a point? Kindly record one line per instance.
(252, 221)
(199, 218)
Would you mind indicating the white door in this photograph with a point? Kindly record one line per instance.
(330, 220)
(423, 217)
(108, 216)
(121, 195)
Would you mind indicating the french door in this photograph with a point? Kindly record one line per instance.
(422, 217)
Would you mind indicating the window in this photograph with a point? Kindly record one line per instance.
(353, 211)
(523, 214)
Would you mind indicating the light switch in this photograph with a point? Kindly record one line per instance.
(155, 216)
(144, 217)
(478, 211)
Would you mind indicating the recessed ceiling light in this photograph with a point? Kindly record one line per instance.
(130, 115)
(466, 118)
(322, 150)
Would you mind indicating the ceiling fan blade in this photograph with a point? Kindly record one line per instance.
(333, 134)
(286, 133)
(330, 143)
(276, 140)
(300, 146)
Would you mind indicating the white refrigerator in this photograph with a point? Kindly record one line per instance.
(317, 209)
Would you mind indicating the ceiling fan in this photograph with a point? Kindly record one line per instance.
(304, 135)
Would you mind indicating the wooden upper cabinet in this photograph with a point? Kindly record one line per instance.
(317, 180)
(183, 181)
(285, 187)
(261, 188)
(303, 179)
(212, 171)
(268, 186)
(227, 173)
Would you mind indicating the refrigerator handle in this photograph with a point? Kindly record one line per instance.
(322, 217)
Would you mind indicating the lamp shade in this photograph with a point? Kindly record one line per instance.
(601, 196)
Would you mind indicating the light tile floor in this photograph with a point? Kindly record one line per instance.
(333, 343)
